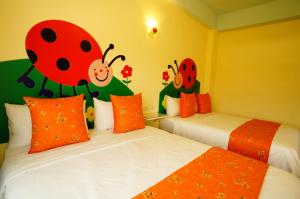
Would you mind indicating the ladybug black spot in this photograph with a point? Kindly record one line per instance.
(193, 67)
(82, 82)
(48, 35)
(85, 46)
(184, 67)
(189, 78)
(62, 64)
(32, 56)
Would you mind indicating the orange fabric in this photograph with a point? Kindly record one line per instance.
(217, 174)
(128, 113)
(253, 139)
(187, 104)
(204, 103)
(56, 122)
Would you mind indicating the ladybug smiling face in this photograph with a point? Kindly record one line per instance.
(177, 82)
(178, 79)
(99, 73)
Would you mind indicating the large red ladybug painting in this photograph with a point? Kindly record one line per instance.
(68, 55)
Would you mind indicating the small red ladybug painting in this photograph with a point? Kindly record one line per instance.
(188, 70)
(67, 54)
(185, 81)
(186, 74)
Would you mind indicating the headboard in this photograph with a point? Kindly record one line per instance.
(79, 67)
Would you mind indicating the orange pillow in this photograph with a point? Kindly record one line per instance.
(204, 103)
(188, 105)
(56, 122)
(128, 113)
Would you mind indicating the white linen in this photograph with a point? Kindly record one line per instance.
(214, 129)
(113, 166)
(173, 106)
(19, 125)
(104, 116)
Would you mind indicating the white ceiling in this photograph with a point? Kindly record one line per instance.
(224, 6)
(230, 14)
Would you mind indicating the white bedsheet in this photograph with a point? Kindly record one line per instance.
(113, 166)
(214, 129)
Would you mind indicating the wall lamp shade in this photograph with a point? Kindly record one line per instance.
(152, 27)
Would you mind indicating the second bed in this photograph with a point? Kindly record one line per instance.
(214, 129)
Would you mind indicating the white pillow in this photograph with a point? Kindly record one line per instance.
(104, 117)
(19, 125)
(173, 106)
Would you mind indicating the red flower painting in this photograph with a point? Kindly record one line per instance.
(165, 76)
(126, 72)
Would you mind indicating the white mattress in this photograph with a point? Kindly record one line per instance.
(214, 129)
(113, 166)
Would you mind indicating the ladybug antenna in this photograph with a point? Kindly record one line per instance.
(114, 59)
(169, 66)
(110, 47)
(176, 64)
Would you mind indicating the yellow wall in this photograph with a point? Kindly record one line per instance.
(257, 72)
(123, 24)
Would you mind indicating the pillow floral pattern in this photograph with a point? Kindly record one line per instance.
(128, 113)
(56, 122)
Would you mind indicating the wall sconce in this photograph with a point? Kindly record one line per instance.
(152, 27)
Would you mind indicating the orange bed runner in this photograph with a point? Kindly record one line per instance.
(216, 174)
(253, 139)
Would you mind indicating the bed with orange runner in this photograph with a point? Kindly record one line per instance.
(123, 165)
(270, 142)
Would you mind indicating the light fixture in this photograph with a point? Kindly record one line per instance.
(152, 27)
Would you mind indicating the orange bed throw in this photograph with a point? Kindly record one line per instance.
(253, 139)
(217, 174)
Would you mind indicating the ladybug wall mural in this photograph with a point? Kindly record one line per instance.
(68, 55)
(185, 80)
(62, 60)
(186, 74)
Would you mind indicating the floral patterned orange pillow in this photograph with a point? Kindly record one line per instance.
(128, 113)
(56, 122)
(204, 103)
(188, 106)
